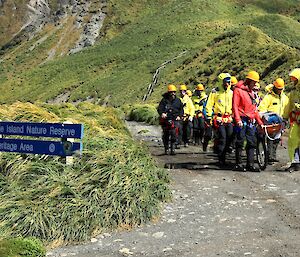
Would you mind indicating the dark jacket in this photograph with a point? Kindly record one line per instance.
(173, 107)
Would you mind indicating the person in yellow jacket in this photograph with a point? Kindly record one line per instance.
(188, 114)
(219, 109)
(199, 98)
(293, 113)
(274, 101)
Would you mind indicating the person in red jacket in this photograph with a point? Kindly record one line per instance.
(246, 116)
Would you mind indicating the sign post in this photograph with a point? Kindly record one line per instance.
(66, 147)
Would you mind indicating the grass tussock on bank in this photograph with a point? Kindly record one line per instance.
(142, 113)
(114, 184)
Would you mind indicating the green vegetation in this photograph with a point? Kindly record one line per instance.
(142, 112)
(141, 35)
(22, 247)
(114, 184)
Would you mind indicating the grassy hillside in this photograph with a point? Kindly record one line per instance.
(218, 35)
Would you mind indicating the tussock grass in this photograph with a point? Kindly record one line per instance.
(114, 184)
(143, 112)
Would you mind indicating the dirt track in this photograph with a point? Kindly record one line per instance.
(214, 212)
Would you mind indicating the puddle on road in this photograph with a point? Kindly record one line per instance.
(191, 166)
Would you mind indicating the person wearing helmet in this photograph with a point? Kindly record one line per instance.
(219, 109)
(274, 101)
(233, 81)
(246, 116)
(189, 93)
(188, 114)
(257, 96)
(199, 98)
(170, 110)
(293, 113)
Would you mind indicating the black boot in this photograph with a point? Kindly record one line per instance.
(250, 161)
(166, 151)
(293, 167)
(205, 144)
(173, 149)
(238, 160)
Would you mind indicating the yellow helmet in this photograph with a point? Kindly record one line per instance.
(223, 76)
(200, 87)
(233, 80)
(279, 83)
(172, 88)
(295, 73)
(189, 93)
(253, 75)
(183, 87)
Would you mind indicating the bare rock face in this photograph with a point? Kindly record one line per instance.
(91, 30)
(39, 13)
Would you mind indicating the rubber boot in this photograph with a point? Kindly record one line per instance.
(205, 144)
(173, 149)
(293, 167)
(250, 161)
(238, 160)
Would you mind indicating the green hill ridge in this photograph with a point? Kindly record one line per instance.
(140, 36)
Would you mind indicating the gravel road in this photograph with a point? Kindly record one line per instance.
(214, 212)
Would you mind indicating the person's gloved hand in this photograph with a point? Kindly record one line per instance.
(178, 118)
(208, 120)
(190, 118)
(164, 115)
(240, 124)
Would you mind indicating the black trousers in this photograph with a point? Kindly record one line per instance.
(169, 136)
(224, 137)
(248, 133)
(186, 131)
(198, 129)
(179, 132)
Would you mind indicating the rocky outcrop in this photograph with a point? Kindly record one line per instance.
(90, 32)
(89, 20)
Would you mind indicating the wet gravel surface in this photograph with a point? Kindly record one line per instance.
(214, 212)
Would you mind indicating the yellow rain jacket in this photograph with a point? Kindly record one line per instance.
(274, 103)
(199, 101)
(219, 102)
(293, 112)
(188, 106)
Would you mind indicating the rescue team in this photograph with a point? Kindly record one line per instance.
(232, 112)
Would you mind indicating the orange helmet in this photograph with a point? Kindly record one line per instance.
(172, 88)
(233, 80)
(200, 87)
(253, 75)
(279, 83)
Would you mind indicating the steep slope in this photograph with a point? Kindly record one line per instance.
(139, 36)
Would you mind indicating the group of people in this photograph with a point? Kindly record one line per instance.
(232, 112)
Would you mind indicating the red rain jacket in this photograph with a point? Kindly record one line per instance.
(244, 104)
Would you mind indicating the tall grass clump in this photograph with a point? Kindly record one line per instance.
(143, 112)
(114, 184)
